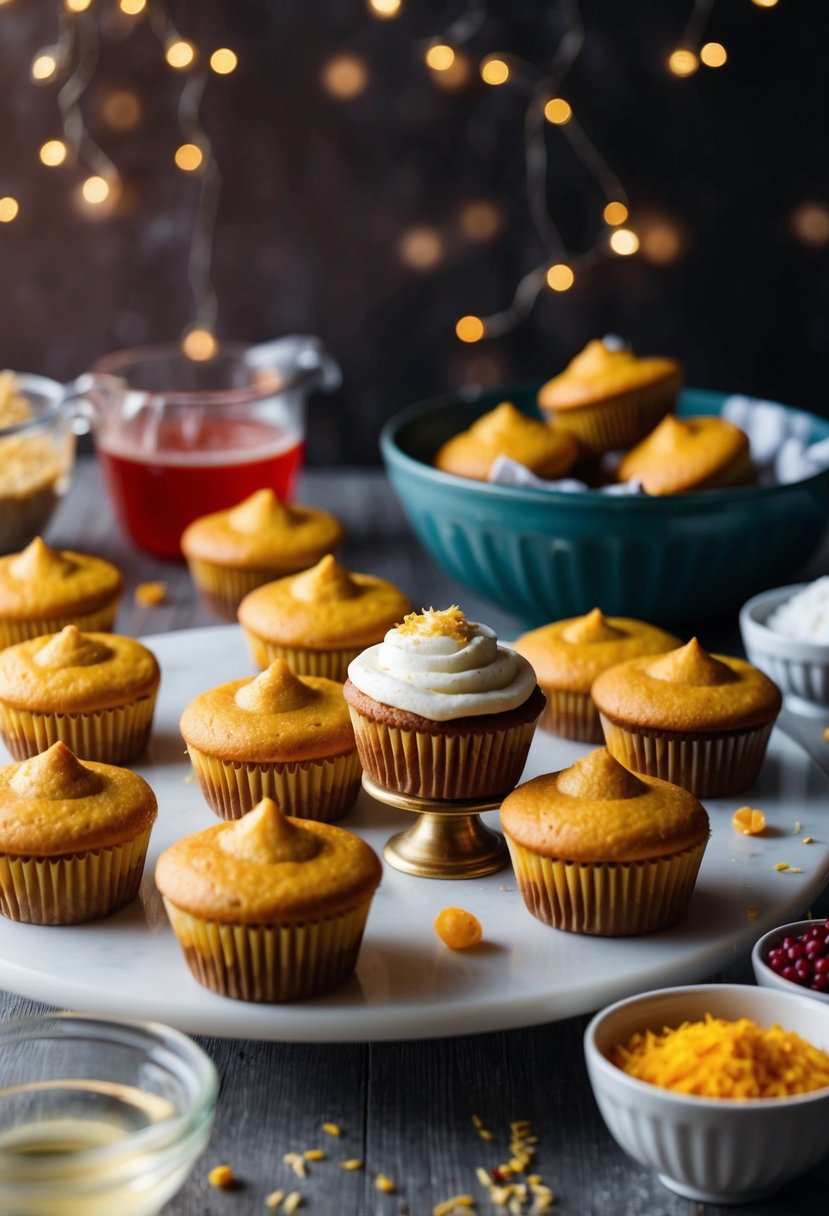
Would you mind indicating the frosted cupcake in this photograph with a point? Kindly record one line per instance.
(73, 838)
(267, 908)
(700, 720)
(441, 710)
(94, 691)
(597, 849)
(568, 655)
(229, 553)
(278, 735)
(43, 589)
(321, 619)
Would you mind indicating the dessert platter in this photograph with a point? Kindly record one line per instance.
(407, 983)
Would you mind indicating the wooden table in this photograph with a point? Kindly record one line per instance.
(406, 1109)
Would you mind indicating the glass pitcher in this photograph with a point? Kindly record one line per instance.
(178, 438)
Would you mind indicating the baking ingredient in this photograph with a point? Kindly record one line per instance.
(717, 1058)
(457, 928)
(805, 617)
(803, 958)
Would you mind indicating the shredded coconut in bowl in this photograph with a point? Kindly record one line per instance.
(805, 617)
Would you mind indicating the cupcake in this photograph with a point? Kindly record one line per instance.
(568, 655)
(231, 552)
(694, 718)
(267, 908)
(597, 849)
(321, 619)
(441, 711)
(682, 454)
(505, 431)
(94, 691)
(277, 735)
(43, 589)
(73, 838)
(610, 398)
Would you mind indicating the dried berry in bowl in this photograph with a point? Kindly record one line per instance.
(795, 955)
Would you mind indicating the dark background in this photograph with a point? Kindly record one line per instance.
(318, 194)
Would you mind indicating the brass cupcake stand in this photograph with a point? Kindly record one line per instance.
(446, 840)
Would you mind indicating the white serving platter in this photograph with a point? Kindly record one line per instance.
(408, 985)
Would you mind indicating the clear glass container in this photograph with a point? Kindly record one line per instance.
(99, 1117)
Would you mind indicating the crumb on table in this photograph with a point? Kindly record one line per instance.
(150, 594)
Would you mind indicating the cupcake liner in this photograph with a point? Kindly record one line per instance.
(333, 664)
(100, 621)
(222, 588)
(611, 425)
(323, 790)
(110, 736)
(482, 764)
(270, 963)
(571, 715)
(72, 889)
(710, 766)
(608, 899)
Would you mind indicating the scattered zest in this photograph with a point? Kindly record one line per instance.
(332, 1129)
(352, 1163)
(384, 1184)
(749, 821)
(221, 1176)
(150, 595)
(781, 866)
(457, 928)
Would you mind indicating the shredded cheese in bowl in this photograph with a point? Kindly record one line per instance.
(716, 1058)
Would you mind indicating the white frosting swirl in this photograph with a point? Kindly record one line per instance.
(443, 677)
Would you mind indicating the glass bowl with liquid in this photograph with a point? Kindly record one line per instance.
(179, 437)
(99, 1116)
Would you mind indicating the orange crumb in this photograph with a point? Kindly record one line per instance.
(781, 865)
(221, 1176)
(457, 928)
(826, 734)
(748, 820)
(150, 594)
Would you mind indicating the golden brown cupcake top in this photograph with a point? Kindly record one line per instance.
(268, 869)
(600, 373)
(569, 654)
(686, 454)
(42, 582)
(687, 689)
(597, 811)
(324, 608)
(506, 431)
(275, 717)
(73, 672)
(54, 805)
(262, 531)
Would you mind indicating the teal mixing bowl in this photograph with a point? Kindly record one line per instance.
(544, 554)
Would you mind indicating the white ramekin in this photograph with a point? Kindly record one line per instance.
(801, 669)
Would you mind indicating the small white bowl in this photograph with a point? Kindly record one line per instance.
(801, 669)
(763, 972)
(708, 1149)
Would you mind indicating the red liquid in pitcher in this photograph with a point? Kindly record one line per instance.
(156, 497)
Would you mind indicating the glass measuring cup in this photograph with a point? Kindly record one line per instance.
(178, 438)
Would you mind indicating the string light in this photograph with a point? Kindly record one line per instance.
(9, 209)
(458, 74)
(470, 329)
(494, 71)
(560, 277)
(713, 54)
(345, 77)
(95, 190)
(223, 61)
(615, 213)
(53, 152)
(683, 62)
(421, 248)
(180, 54)
(765, 3)
(624, 241)
(440, 57)
(44, 67)
(188, 157)
(558, 111)
(385, 8)
(77, 6)
(199, 344)
(132, 7)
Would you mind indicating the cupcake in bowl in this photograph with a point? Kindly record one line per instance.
(441, 710)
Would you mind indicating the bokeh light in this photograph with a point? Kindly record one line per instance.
(558, 111)
(480, 220)
(53, 152)
(385, 8)
(132, 7)
(470, 329)
(180, 54)
(9, 209)
(199, 344)
(95, 190)
(77, 6)
(494, 71)
(661, 241)
(765, 3)
(683, 62)
(188, 157)
(121, 110)
(713, 54)
(458, 74)
(421, 248)
(223, 61)
(560, 277)
(624, 241)
(440, 57)
(810, 224)
(44, 66)
(345, 77)
(615, 213)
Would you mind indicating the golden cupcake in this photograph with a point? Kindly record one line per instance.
(43, 589)
(698, 719)
(441, 710)
(505, 431)
(277, 735)
(321, 619)
(568, 655)
(267, 908)
(682, 454)
(230, 552)
(610, 398)
(600, 850)
(95, 692)
(73, 838)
